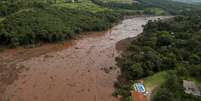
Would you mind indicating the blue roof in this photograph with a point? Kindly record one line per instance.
(139, 87)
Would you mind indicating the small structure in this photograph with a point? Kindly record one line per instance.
(191, 88)
(139, 92)
(139, 87)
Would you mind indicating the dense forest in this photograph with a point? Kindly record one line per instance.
(171, 44)
(42, 22)
(169, 6)
(189, 1)
(24, 22)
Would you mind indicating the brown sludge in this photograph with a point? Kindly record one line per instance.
(73, 71)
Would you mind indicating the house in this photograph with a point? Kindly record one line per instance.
(191, 88)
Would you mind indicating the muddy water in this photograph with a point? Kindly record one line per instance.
(84, 71)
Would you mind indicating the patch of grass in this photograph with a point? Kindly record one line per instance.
(1, 19)
(155, 11)
(155, 80)
(119, 1)
(82, 5)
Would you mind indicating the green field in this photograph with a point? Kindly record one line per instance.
(155, 11)
(119, 1)
(155, 80)
(82, 5)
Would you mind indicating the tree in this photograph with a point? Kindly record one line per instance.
(136, 71)
(164, 39)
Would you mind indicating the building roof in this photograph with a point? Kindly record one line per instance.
(191, 88)
(139, 87)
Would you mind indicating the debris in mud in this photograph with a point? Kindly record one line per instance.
(20, 67)
(111, 68)
(8, 74)
(88, 90)
(51, 77)
(111, 38)
(80, 91)
(48, 56)
(108, 70)
(71, 84)
(77, 48)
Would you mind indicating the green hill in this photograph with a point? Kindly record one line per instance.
(35, 21)
(119, 1)
(189, 1)
(164, 45)
(82, 5)
(44, 22)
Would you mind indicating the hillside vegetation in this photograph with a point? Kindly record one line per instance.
(173, 44)
(86, 5)
(26, 22)
(119, 1)
(1, 19)
(46, 22)
(189, 1)
(169, 6)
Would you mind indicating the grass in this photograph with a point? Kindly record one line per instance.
(1, 19)
(159, 78)
(88, 5)
(155, 80)
(119, 1)
(155, 11)
(82, 5)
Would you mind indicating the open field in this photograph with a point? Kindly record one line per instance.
(155, 80)
(83, 5)
(119, 1)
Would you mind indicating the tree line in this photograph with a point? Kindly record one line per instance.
(10, 6)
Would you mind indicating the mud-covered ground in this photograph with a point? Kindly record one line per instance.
(79, 70)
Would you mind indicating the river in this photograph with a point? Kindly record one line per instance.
(79, 70)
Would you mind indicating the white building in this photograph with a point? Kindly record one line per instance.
(191, 88)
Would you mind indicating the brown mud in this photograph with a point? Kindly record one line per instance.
(79, 70)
